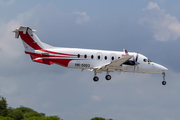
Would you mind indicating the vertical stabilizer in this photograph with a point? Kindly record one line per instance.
(30, 39)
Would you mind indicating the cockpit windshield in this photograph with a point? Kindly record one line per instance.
(149, 60)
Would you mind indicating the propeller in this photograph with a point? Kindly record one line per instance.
(135, 61)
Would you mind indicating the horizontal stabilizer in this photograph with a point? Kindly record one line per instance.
(16, 33)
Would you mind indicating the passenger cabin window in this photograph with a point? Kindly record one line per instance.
(78, 55)
(105, 57)
(113, 56)
(92, 56)
(85, 56)
(99, 57)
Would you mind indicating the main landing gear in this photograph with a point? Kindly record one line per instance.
(108, 77)
(95, 77)
(163, 82)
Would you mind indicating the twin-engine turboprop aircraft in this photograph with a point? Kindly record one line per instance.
(94, 60)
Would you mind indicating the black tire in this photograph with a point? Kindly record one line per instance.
(108, 77)
(95, 79)
(163, 82)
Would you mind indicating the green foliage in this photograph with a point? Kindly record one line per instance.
(23, 112)
(5, 118)
(43, 118)
(33, 118)
(98, 118)
(53, 118)
(16, 114)
(42, 114)
(3, 106)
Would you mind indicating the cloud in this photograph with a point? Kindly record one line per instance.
(10, 2)
(165, 26)
(168, 118)
(8, 46)
(6, 2)
(152, 5)
(7, 87)
(82, 17)
(96, 98)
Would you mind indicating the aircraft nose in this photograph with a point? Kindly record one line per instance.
(162, 68)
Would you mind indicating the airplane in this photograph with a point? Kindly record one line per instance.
(97, 61)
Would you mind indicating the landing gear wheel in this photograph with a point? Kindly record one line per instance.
(95, 79)
(108, 77)
(164, 82)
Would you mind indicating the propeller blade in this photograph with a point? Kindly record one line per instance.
(137, 57)
(136, 63)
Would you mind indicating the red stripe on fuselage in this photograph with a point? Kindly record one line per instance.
(61, 60)
(56, 52)
(28, 40)
(36, 54)
(41, 55)
(125, 55)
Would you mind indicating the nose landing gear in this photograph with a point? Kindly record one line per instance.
(163, 82)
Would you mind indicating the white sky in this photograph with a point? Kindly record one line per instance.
(148, 27)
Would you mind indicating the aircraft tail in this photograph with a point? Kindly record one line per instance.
(31, 43)
(30, 39)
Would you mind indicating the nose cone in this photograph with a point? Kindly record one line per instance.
(164, 69)
(161, 68)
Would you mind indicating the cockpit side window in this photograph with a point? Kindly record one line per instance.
(147, 60)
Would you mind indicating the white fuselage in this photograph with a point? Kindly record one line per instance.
(90, 59)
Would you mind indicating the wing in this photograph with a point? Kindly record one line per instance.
(115, 64)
